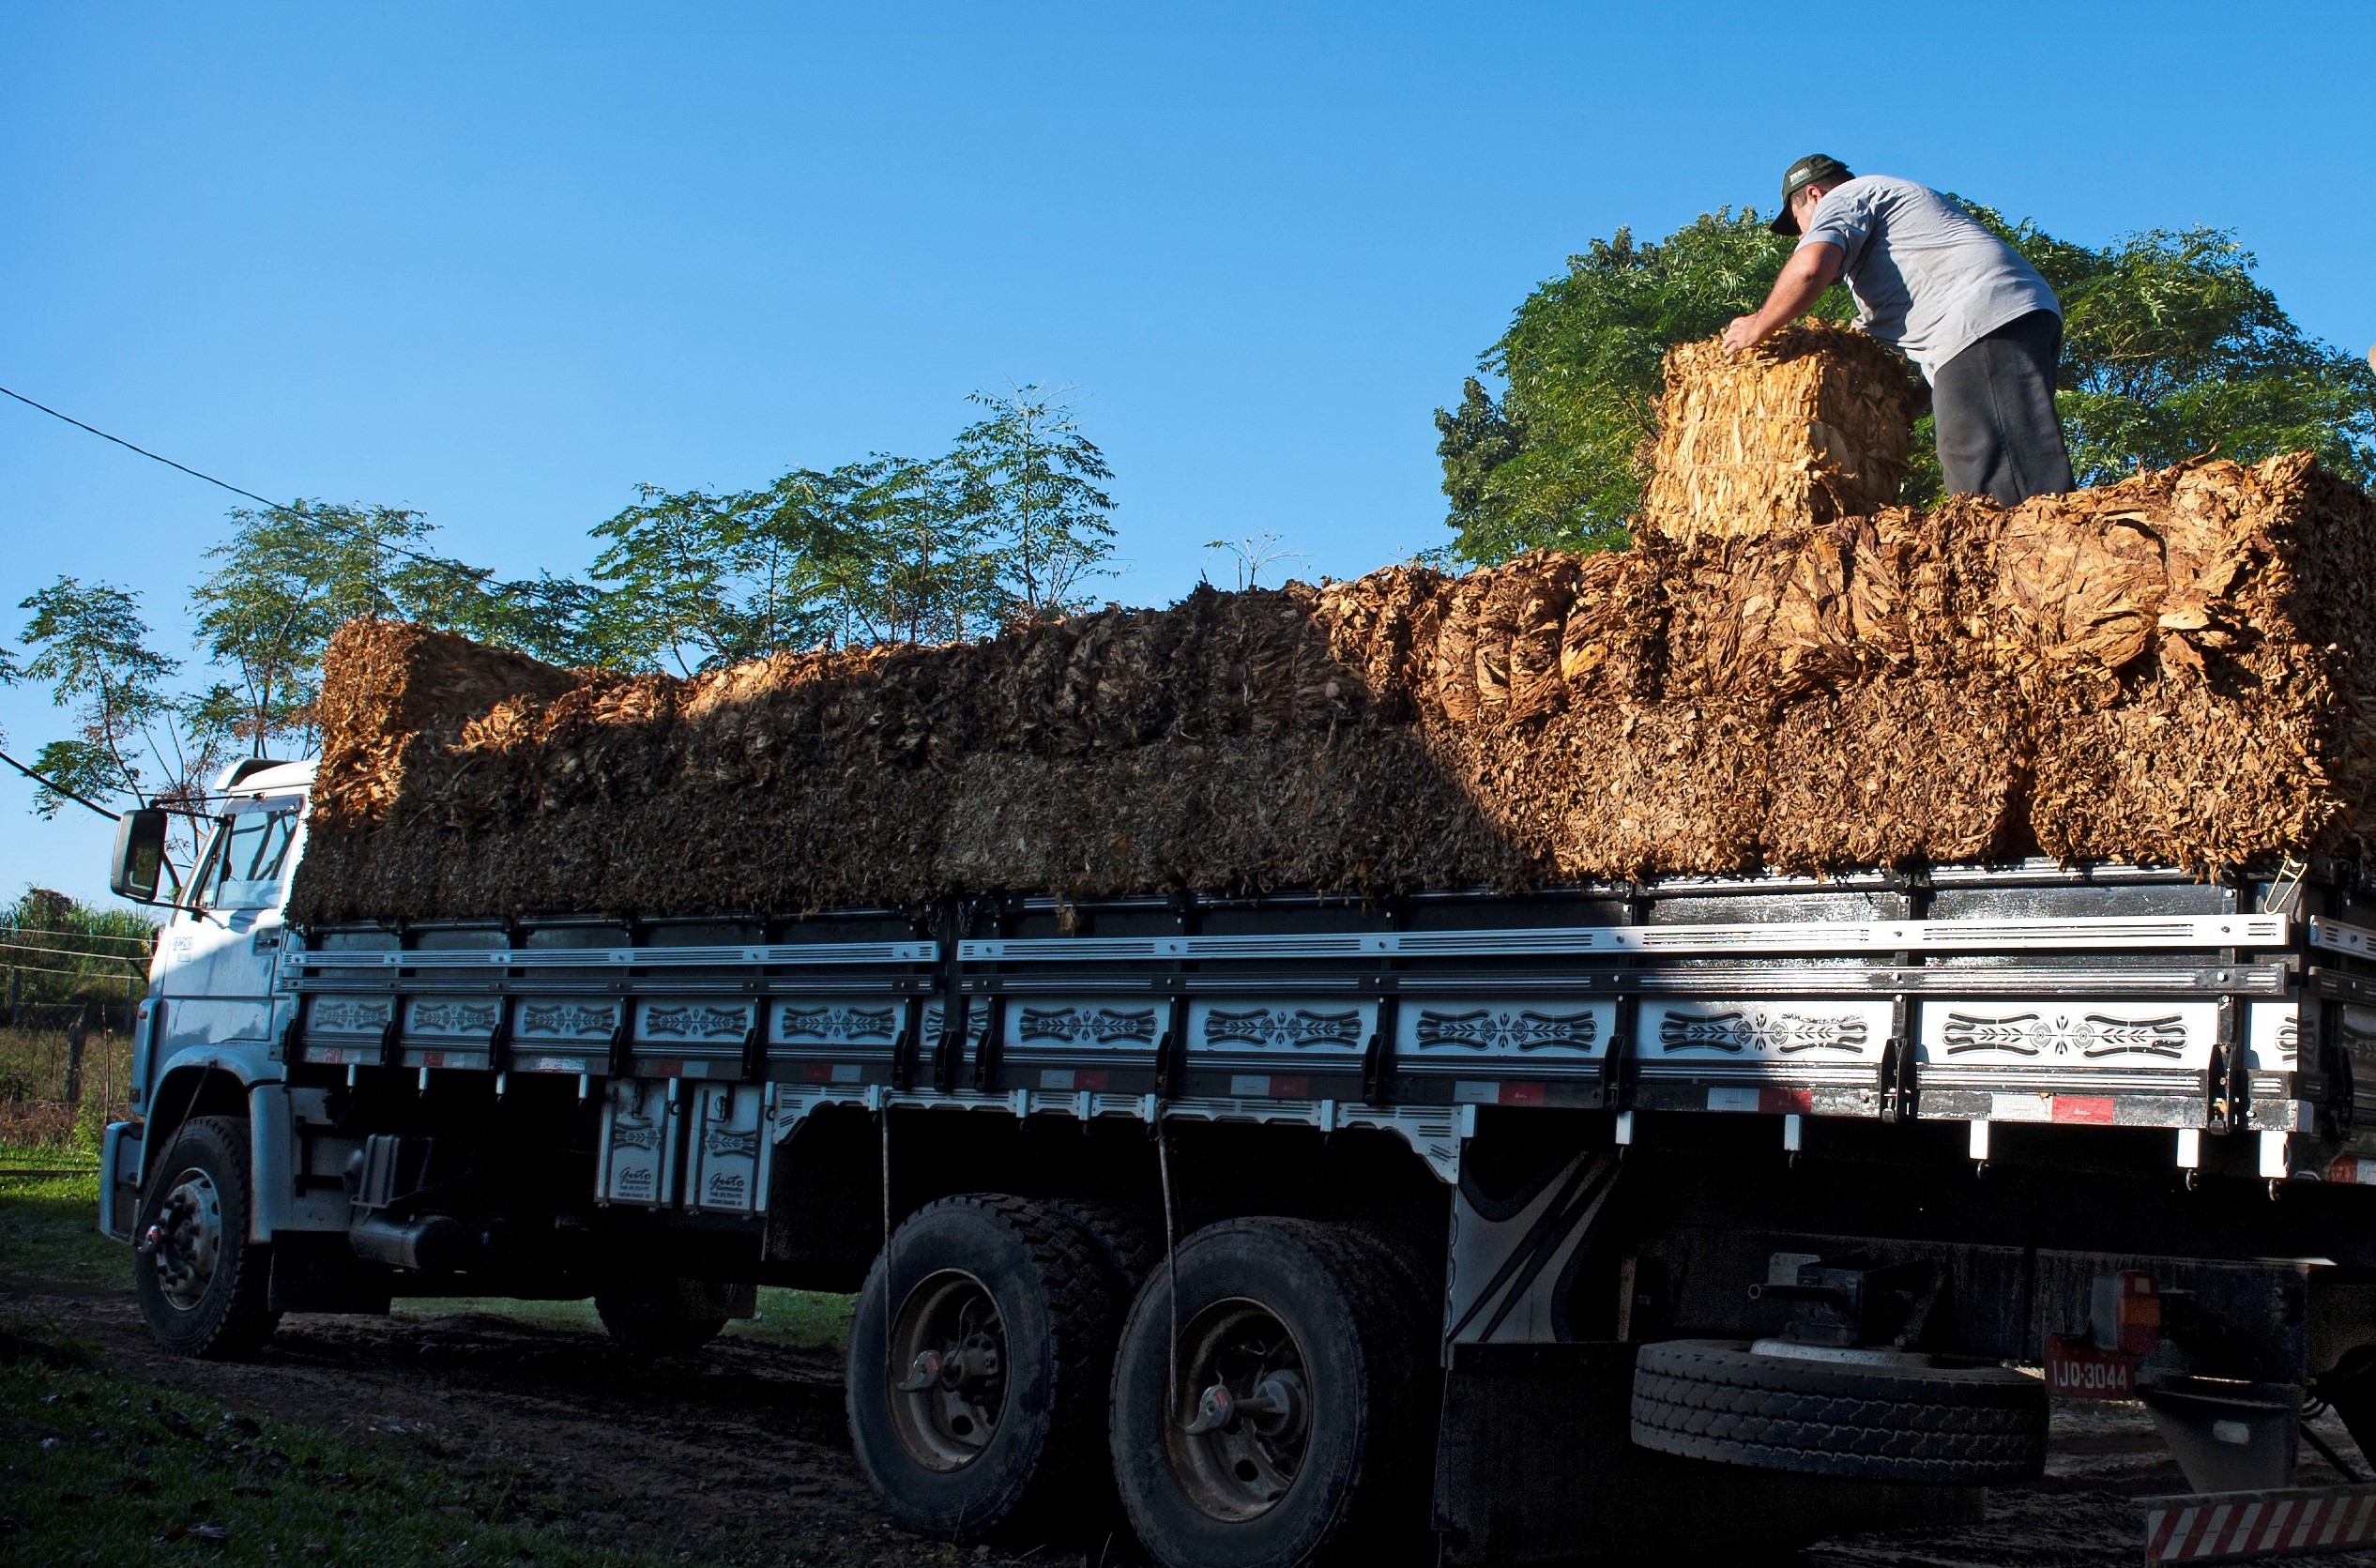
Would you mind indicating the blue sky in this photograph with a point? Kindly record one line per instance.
(502, 262)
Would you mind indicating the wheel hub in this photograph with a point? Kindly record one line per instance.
(184, 1243)
(951, 1341)
(1238, 1443)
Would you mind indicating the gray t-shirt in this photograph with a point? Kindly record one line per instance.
(1925, 275)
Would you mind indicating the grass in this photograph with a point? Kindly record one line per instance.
(807, 1318)
(98, 1467)
(49, 1230)
(48, 1234)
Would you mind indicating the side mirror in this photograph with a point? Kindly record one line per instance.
(139, 864)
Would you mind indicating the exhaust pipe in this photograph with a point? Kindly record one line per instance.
(432, 1244)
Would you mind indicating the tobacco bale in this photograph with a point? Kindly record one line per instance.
(392, 693)
(1895, 772)
(2240, 729)
(1616, 789)
(1812, 425)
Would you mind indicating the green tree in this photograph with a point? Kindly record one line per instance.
(1030, 481)
(2171, 348)
(917, 563)
(703, 580)
(1010, 523)
(135, 739)
(290, 576)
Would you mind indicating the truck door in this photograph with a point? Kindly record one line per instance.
(222, 947)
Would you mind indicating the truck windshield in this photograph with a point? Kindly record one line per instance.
(246, 871)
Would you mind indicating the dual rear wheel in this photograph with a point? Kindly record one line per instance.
(1257, 1402)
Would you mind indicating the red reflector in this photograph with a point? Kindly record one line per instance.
(2140, 1313)
(2093, 1110)
(1522, 1094)
(1289, 1089)
(1786, 1102)
(1090, 1078)
(816, 1072)
(2353, 1171)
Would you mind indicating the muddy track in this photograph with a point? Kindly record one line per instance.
(738, 1455)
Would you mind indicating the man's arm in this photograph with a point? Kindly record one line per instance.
(1812, 269)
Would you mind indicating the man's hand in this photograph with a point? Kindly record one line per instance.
(1812, 268)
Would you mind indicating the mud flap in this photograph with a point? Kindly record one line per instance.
(642, 1148)
(1536, 1463)
(732, 1123)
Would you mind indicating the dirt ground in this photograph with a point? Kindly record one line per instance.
(739, 1455)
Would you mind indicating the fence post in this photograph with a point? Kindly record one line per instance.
(16, 995)
(77, 1031)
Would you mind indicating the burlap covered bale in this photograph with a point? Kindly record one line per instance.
(1811, 425)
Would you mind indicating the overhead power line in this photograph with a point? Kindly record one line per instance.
(222, 484)
(143, 450)
(51, 785)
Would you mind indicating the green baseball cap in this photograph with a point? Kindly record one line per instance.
(1816, 167)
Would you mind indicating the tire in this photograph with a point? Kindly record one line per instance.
(1334, 1469)
(1972, 1426)
(669, 1317)
(1130, 1246)
(201, 1286)
(1030, 1286)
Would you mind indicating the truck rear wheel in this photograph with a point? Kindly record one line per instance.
(201, 1286)
(1881, 1415)
(1294, 1431)
(978, 1360)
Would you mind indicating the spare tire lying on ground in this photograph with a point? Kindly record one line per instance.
(1882, 1414)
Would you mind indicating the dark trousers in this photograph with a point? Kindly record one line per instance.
(1994, 403)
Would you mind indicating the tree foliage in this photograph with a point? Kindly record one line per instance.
(2171, 348)
(134, 740)
(1007, 525)
(1029, 487)
(289, 576)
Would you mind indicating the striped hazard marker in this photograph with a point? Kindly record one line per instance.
(2225, 1527)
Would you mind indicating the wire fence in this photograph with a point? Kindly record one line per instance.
(64, 1073)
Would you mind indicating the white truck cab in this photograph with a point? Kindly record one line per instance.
(202, 1040)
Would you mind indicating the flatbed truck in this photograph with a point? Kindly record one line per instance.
(1702, 1212)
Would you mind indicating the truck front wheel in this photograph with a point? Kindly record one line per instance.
(1285, 1424)
(200, 1285)
(978, 1360)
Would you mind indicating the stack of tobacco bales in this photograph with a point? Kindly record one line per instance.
(2177, 668)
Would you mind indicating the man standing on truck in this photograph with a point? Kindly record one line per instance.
(1975, 318)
